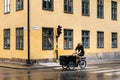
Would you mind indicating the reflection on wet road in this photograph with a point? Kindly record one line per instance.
(93, 72)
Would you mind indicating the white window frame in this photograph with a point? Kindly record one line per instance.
(6, 6)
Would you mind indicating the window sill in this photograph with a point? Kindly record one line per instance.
(19, 9)
(85, 15)
(100, 17)
(47, 49)
(86, 47)
(19, 49)
(68, 48)
(6, 13)
(114, 19)
(100, 47)
(68, 12)
(46, 9)
(114, 47)
(7, 48)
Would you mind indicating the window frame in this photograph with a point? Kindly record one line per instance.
(19, 5)
(115, 37)
(113, 10)
(6, 6)
(49, 43)
(86, 38)
(47, 5)
(20, 36)
(67, 5)
(68, 37)
(100, 39)
(85, 9)
(100, 5)
(6, 37)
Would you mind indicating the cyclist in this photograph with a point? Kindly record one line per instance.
(80, 52)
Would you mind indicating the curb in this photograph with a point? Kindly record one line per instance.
(27, 67)
(103, 62)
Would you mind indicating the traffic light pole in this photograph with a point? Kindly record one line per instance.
(59, 31)
(56, 48)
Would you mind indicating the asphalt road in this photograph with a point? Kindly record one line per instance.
(92, 72)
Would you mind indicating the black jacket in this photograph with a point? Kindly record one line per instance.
(80, 48)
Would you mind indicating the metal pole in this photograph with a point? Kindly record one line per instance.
(28, 23)
(56, 47)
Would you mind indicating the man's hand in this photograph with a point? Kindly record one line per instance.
(75, 52)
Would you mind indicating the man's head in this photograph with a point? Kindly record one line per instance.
(79, 44)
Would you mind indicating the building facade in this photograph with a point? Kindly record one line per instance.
(94, 23)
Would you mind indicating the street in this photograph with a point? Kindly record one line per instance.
(92, 72)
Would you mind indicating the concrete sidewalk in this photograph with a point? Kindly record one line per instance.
(17, 65)
(42, 65)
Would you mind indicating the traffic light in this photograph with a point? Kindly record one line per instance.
(59, 30)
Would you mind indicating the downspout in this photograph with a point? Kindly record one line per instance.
(28, 23)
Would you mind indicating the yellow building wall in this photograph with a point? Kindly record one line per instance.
(43, 18)
(75, 21)
(14, 19)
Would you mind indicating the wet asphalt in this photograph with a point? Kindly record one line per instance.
(92, 72)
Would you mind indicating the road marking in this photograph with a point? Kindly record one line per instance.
(96, 69)
(58, 68)
(88, 67)
(106, 71)
(50, 64)
(113, 73)
(91, 67)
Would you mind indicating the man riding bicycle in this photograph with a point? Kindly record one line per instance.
(80, 52)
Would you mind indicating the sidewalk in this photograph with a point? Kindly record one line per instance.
(19, 65)
(14, 65)
(49, 64)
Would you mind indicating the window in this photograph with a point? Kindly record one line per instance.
(86, 39)
(68, 39)
(85, 7)
(19, 38)
(100, 39)
(48, 4)
(6, 6)
(19, 4)
(47, 38)
(100, 8)
(68, 6)
(114, 40)
(6, 38)
(114, 10)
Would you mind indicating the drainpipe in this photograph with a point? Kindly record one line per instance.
(28, 24)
